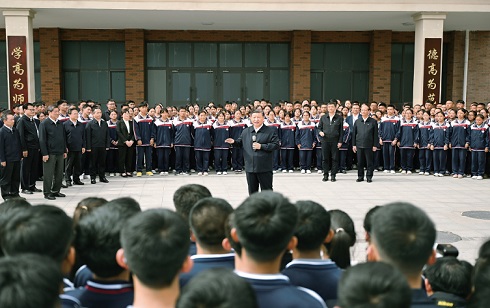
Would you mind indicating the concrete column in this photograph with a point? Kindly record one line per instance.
(427, 25)
(19, 23)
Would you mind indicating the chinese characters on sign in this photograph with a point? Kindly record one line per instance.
(18, 77)
(432, 69)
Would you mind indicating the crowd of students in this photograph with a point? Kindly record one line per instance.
(268, 252)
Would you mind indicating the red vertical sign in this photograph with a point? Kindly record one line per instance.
(17, 68)
(432, 69)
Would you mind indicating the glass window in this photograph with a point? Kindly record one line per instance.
(179, 54)
(255, 55)
(156, 55)
(279, 55)
(205, 54)
(230, 55)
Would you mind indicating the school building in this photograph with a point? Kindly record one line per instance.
(175, 52)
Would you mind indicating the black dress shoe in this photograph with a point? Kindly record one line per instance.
(369, 180)
(92, 181)
(36, 190)
(58, 194)
(325, 178)
(344, 172)
(69, 184)
(49, 197)
(103, 180)
(360, 180)
(64, 186)
(27, 192)
(78, 183)
(333, 179)
(130, 174)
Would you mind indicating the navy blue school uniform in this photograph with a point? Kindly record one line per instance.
(275, 290)
(221, 132)
(459, 137)
(306, 139)
(479, 141)
(104, 294)
(443, 299)
(182, 144)
(288, 144)
(112, 154)
(205, 262)
(407, 135)
(82, 275)
(276, 125)
(63, 117)
(440, 139)
(143, 130)
(344, 149)
(424, 139)
(164, 140)
(202, 144)
(321, 276)
(421, 300)
(236, 129)
(387, 131)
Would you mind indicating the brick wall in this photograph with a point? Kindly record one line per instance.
(135, 64)
(217, 36)
(380, 66)
(299, 82)
(479, 67)
(340, 36)
(50, 55)
(455, 65)
(91, 35)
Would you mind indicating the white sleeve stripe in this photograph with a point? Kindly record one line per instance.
(314, 295)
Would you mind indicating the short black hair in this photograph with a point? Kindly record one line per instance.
(404, 236)
(42, 229)
(481, 283)
(368, 219)
(450, 275)
(217, 287)
(265, 223)
(207, 221)
(86, 206)
(344, 238)
(373, 284)
(7, 207)
(61, 102)
(186, 196)
(313, 225)
(97, 237)
(156, 244)
(29, 281)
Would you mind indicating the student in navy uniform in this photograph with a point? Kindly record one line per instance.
(344, 237)
(479, 144)
(459, 141)
(97, 242)
(112, 153)
(388, 129)
(29, 280)
(155, 261)
(207, 221)
(202, 142)
(125, 143)
(237, 125)
(264, 226)
(182, 142)
(28, 127)
(407, 139)
(144, 136)
(439, 144)
(306, 142)
(364, 139)
(84, 118)
(221, 132)
(425, 136)
(376, 284)
(288, 144)
(351, 119)
(217, 287)
(10, 157)
(75, 141)
(164, 141)
(63, 107)
(98, 142)
(344, 148)
(309, 269)
(448, 282)
(271, 121)
(409, 254)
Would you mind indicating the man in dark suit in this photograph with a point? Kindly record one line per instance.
(52, 140)
(125, 142)
(258, 142)
(351, 119)
(28, 128)
(10, 157)
(111, 106)
(75, 140)
(364, 138)
(331, 131)
(98, 142)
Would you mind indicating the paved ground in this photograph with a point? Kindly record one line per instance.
(444, 199)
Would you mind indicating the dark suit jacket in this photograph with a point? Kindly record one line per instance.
(10, 149)
(334, 132)
(350, 120)
(75, 136)
(29, 138)
(123, 134)
(97, 136)
(260, 160)
(365, 134)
